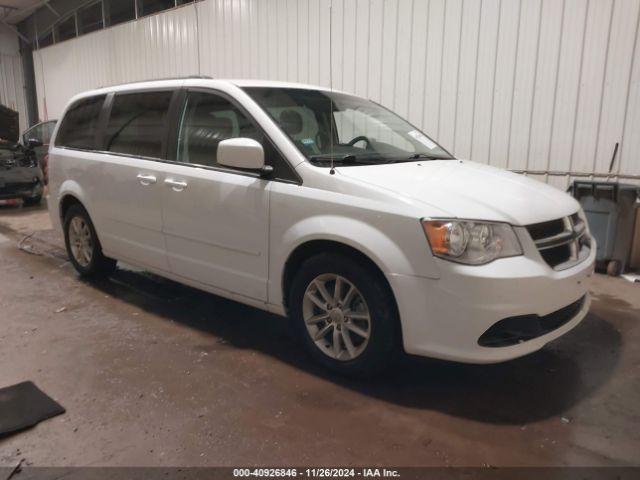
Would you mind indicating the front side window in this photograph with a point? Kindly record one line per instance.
(138, 124)
(78, 128)
(40, 132)
(33, 133)
(206, 121)
(350, 130)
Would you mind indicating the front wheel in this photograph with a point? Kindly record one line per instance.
(345, 314)
(83, 246)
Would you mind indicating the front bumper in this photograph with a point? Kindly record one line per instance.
(445, 317)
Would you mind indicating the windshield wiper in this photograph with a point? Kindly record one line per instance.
(419, 156)
(337, 158)
(429, 157)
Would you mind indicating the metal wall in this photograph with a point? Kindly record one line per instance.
(531, 85)
(11, 77)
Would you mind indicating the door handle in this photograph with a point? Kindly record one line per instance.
(146, 179)
(175, 185)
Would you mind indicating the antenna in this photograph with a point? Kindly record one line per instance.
(332, 170)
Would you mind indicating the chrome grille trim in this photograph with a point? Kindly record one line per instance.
(563, 238)
(564, 249)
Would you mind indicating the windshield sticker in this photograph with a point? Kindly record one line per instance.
(307, 141)
(423, 139)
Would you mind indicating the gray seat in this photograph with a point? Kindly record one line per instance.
(291, 122)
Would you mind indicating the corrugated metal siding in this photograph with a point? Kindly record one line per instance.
(158, 46)
(11, 77)
(531, 85)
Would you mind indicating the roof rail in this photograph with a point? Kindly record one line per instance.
(205, 77)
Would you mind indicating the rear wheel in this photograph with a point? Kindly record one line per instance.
(345, 314)
(83, 246)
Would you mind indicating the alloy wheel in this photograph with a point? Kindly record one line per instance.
(80, 241)
(336, 316)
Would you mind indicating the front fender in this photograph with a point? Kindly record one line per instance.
(375, 244)
(401, 254)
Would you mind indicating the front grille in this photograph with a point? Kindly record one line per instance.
(514, 330)
(546, 229)
(17, 187)
(563, 242)
(20, 185)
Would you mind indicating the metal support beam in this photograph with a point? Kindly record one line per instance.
(6, 11)
(15, 30)
(48, 5)
(29, 10)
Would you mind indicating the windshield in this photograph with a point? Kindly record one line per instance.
(363, 132)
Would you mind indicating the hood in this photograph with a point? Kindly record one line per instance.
(468, 190)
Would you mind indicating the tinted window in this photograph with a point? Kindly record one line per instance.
(66, 29)
(118, 11)
(90, 18)
(78, 128)
(207, 120)
(137, 124)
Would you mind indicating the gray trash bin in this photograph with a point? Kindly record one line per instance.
(610, 210)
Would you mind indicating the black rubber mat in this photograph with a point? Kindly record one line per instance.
(23, 405)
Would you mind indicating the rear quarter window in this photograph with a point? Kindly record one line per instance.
(78, 127)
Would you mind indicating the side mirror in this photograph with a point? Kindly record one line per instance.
(34, 142)
(243, 153)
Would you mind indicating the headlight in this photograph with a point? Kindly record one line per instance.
(469, 242)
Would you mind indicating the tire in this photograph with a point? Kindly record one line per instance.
(31, 201)
(83, 246)
(372, 298)
(614, 268)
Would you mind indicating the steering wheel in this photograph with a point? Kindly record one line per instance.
(359, 138)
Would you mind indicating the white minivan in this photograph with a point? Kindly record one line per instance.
(322, 206)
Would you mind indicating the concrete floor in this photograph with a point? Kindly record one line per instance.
(153, 373)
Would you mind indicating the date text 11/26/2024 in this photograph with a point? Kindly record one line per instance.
(316, 472)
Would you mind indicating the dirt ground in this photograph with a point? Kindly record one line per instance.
(154, 373)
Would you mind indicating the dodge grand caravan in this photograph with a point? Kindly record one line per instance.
(324, 207)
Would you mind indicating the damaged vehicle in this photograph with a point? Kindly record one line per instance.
(20, 175)
(39, 136)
